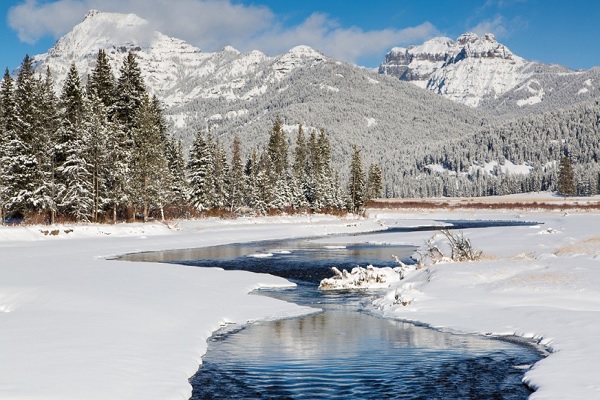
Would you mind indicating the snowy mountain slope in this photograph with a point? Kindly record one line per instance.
(390, 120)
(480, 71)
(244, 93)
(174, 70)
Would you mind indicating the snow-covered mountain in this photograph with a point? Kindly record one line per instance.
(173, 69)
(480, 71)
(396, 124)
(244, 93)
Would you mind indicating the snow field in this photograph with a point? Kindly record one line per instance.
(76, 325)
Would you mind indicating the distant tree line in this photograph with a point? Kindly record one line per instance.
(101, 151)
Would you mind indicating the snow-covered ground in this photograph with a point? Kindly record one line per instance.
(540, 282)
(76, 325)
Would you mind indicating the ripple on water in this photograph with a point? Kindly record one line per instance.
(340, 355)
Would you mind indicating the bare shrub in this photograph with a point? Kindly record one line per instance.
(461, 250)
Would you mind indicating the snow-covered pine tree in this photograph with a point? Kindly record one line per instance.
(198, 169)
(237, 182)
(119, 150)
(176, 163)
(48, 123)
(102, 82)
(263, 182)
(374, 182)
(96, 133)
(277, 148)
(299, 181)
(130, 91)
(75, 190)
(325, 175)
(251, 176)
(211, 178)
(356, 183)
(314, 191)
(151, 178)
(220, 174)
(22, 165)
(7, 136)
(278, 172)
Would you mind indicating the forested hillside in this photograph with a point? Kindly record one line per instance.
(519, 156)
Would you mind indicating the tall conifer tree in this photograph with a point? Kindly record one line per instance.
(356, 183)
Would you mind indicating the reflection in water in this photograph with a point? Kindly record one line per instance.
(342, 355)
(298, 260)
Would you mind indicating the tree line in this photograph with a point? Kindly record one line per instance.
(101, 151)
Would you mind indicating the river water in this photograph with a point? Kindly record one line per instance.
(343, 351)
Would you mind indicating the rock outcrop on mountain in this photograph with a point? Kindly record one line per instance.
(481, 72)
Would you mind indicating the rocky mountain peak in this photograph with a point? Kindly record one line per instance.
(465, 70)
(91, 14)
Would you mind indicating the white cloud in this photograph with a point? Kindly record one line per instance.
(213, 24)
(495, 25)
(348, 44)
(32, 20)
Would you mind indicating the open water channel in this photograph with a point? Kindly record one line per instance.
(343, 351)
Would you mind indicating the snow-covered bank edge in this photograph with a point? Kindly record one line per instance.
(76, 325)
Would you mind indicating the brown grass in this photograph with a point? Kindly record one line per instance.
(461, 205)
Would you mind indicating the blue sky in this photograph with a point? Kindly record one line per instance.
(360, 32)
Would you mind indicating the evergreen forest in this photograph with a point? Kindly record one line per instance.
(101, 151)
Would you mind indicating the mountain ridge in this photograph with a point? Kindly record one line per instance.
(481, 72)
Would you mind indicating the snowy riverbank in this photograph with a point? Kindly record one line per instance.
(75, 325)
(540, 282)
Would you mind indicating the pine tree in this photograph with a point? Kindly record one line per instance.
(566, 184)
(198, 169)
(374, 182)
(7, 136)
(237, 184)
(263, 184)
(96, 133)
(220, 174)
(314, 190)
(47, 126)
(356, 183)
(102, 82)
(251, 173)
(130, 92)
(21, 165)
(299, 183)
(176, 164)
(277, 149)
(119, 150)
(325, 173)
(75, 188)
(278, 172)
(151, 178)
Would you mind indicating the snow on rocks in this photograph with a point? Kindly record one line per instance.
(362, 278)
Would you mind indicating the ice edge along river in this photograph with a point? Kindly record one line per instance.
(76, 325)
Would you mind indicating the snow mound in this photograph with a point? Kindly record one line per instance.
(362, 278)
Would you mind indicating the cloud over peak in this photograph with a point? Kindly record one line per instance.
(213, 24)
